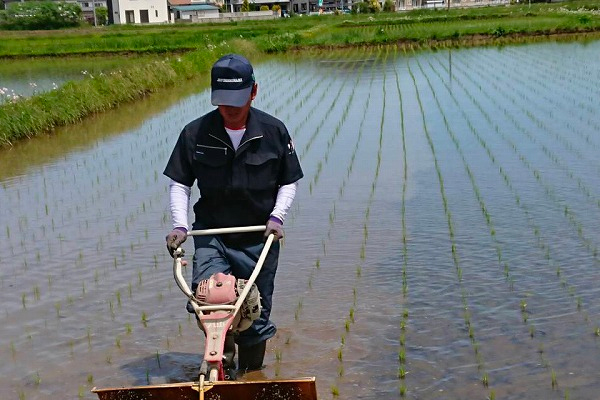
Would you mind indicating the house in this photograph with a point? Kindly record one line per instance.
(137, 11)
(186, 10)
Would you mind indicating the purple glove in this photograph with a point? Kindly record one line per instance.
(175, 239)
(275, 226)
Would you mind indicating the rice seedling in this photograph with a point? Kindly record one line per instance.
(554, 380)
(335, 391)
(402, 372)
(403, 390)
(144, 319)
(485, 380)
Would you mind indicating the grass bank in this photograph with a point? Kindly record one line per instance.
(192, 48)
(77, 99)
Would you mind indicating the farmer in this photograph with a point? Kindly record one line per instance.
(247, 170)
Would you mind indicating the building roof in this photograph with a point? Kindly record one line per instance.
(195, 7)
(179, 2)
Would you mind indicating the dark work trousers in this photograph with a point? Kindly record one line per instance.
(212, 256)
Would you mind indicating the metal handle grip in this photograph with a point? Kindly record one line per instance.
(182, 284)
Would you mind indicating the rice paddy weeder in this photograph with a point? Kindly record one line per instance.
(222, 303)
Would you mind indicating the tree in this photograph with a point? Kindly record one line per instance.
(389, 6)
(101, 15)
(37, 15)
(245, 6)
(264, 8)
(360, 8)
(374, 6)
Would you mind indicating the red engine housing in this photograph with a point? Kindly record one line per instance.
(218, 289)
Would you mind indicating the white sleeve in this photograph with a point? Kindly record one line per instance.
(179, 200)
(285, 197)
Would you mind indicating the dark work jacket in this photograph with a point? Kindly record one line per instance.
(237, 188)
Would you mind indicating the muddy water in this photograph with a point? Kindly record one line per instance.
(442, 245)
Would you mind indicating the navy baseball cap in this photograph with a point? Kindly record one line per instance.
(232, 78)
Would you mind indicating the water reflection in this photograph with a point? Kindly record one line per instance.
(442, 244)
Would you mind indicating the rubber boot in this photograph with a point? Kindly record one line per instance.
(251, 357)
(228, 355)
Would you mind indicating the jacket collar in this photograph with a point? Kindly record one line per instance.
(253, 130)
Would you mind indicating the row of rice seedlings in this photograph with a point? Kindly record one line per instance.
(276, 104)
(551, 103)
(403, 369)
(310, 114)
(320, 124)
(269, 92)
(584, 98)
(451, 233)
(111, 305)
(503, 86)
(332, 213)
(317, 264)
(350, 319)
(336, 131)
(484, 208)
(523, 304)
(549, 190)
(79, 260)
(544, 247)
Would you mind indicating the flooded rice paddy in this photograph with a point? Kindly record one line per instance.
(443, 244)
(27, 77)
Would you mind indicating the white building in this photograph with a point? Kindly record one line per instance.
(137, 11)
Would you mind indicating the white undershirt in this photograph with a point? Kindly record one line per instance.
(236, 136)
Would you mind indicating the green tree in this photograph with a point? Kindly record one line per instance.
(264, 8)
(101, 15)
(36, 15)
(374, 6)
(360, 8)
(245, 6)
(389, 6)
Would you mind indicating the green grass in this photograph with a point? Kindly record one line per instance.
(191, 48)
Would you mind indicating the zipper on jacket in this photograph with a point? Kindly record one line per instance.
(212, 147)
(247, 141)
(222, 141)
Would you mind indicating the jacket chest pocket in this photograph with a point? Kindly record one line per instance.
(261, 171)
(211, 167)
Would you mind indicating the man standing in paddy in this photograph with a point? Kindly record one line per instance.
(247, 171)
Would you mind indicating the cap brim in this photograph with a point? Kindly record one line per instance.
(233, 98)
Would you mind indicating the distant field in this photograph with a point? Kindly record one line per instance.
(190, 49)
(328, 30)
